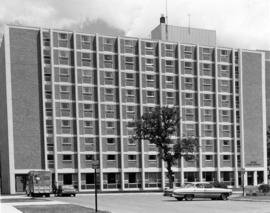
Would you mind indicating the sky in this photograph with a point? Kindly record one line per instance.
(238, 23)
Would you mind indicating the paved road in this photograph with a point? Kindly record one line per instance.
(156, 203)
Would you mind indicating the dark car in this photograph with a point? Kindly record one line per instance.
(66, 190)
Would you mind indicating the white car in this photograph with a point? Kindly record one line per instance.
(201, 190)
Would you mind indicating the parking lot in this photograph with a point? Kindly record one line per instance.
(156, 203)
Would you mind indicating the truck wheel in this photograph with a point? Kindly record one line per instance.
(179, 198)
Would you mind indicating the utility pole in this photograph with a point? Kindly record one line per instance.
(95, 166)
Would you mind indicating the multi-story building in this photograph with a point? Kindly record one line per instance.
(67, 100)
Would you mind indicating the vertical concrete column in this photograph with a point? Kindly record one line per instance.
(77, 111)
(120, 114)
(43, 100)
(236, 184)
(255, 181)
(99, 116)
(217, 115)
(9, 112)
(54, 110)
(141, 111)
(161, 104)
(180, 108)
(199, 111)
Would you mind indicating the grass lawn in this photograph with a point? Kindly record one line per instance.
(60, 208)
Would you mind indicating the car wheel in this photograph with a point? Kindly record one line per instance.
(189, 197)
(74, 195)
(223, 196)
(179, 198)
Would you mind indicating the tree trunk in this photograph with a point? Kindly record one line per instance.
(170, 174)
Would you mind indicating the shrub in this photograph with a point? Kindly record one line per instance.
(264, 188)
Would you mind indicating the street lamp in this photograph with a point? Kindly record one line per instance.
(95, 166)
(243, 180)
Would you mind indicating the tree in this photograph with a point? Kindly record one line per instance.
(158, 127)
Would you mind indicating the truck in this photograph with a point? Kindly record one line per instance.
(39, 183)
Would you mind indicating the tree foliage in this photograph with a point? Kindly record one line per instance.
(158, 127)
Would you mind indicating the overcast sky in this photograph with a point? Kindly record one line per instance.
(239, 23)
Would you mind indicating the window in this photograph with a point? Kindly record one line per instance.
(65, 106)
(85, 42)
(208, 157)
(62, 36)
(110, 125)
(208, 143)
(208, 115)
(128, 46)
(66, 141)
(169, 82)
(169, 95)
(108, 44)
(65, 123)
(150, 94)
(188, 82)
(64, 89)
(188, 99)
(86, 59)
(46, 39)
(149, 45)
(226, 157)
(130, 112)
(109, 111)
(88, 124)
(225, 101)
(169, 63)
(226, 130)
(226, 143)
(207, 100)
(87, 76)
(111, 157)
(108, 91)
(206, 69)
(206, 54)
(89, 141)
(208, 130)
(187, 52)
(190, 130)
(87, 107)
(130, 93)
(189, 114)
(50, 157)
(63, 72)
(132, 157)
(207, 84)
(63, 57)
(108, 75)
(63, 39)
(129, 60)
(152, 157)
(89, 157)
(131, 141)
(188, 67)
(86, 90)
(224, 53)
(225, 116)
(108, 59)
(110, 141)
(224, 69)
(169, 50)
(150, 78)
(48, 107)
(47, 56)
(67, 158)
(149, 62)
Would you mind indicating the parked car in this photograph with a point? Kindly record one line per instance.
(201, 190)
(66, 190)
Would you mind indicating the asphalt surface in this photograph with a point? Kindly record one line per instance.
(156, 203)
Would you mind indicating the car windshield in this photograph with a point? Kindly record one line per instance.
(188, 185)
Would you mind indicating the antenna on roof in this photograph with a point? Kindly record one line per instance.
(166, 20)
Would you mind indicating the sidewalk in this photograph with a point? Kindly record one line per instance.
(9, 207)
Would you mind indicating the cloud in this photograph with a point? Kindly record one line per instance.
(239, 23)
(96, 26)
